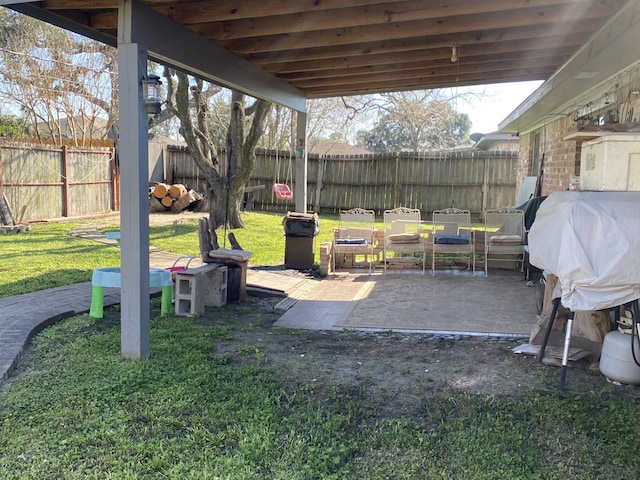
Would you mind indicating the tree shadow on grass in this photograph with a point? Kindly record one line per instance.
(58, 278)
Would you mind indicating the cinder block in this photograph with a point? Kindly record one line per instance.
(189, 296)
(215, 290)
(200, 287)
(326, 249)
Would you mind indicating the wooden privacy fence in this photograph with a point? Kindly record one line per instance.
(63, 181)
(48, 181)
(467, 179)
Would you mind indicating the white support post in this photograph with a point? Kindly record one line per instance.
(300, 183)
(134, 174)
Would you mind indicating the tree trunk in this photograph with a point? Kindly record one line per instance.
(225, 189)
(241, 150)
(235, 204)
(226, 205)
(217, 203)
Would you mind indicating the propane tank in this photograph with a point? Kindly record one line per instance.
(616, 360)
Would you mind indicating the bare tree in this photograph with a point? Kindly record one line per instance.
(415, 121)
(278, 129)
(338, 119)
(225, 183)
(65, 84)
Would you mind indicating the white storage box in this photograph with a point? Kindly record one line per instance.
(611, 163)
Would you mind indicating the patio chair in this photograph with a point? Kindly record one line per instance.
(403, 237)
(504, 237)
(354, 236)
(453, 236)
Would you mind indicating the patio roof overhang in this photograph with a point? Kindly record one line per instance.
(288, 50)
(607, 58)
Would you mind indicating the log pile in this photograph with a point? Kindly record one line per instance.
(175, 198)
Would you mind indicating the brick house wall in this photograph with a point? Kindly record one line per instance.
(561, 157)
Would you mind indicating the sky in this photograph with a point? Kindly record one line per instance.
(494, 103)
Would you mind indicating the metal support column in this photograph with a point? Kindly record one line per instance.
(134, 175)
(300, 183)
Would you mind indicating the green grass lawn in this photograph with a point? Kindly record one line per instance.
(48, 257)
(76, 410)
(263, 235)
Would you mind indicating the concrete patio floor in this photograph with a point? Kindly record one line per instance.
(451, 302)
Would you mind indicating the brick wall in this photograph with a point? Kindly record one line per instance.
(561, 158)
(525, 157)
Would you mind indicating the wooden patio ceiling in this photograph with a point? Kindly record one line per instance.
(330, 48)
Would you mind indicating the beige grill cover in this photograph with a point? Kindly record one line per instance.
(591, 242)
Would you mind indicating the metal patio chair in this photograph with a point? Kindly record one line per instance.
(453, 236)
(354, 236)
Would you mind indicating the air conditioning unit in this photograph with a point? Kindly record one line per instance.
(611, 163)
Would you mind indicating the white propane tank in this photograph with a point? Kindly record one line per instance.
(616, 360)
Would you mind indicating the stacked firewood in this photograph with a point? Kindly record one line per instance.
(175, 198)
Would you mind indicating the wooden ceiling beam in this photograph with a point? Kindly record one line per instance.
(423, 84)
(469, 64)
(431, 55)
(189, 12)
(416, 28)
(103, 4)
(532, 35)
(78, 4)
(235, 19)
(526, 66)
(195, 12)
(104, 21)
(365, 15)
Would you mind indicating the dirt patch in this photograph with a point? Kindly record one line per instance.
(395, 370)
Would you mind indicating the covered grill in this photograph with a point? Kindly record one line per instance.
(590, 240)
(300, 230)
(301, 224)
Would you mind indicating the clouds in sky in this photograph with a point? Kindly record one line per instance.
(493, 103)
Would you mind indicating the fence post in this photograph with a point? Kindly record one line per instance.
(65, 181)
(115, 184)
(485, 185)
(321, 167)
(396, 183)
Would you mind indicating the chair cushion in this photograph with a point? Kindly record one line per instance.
(351, 241)
(226, 254)
(506, 239)
(404, 238)
(446, 239)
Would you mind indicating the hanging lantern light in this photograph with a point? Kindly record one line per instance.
(151, 94)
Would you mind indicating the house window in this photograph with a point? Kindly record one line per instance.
(535, 154)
